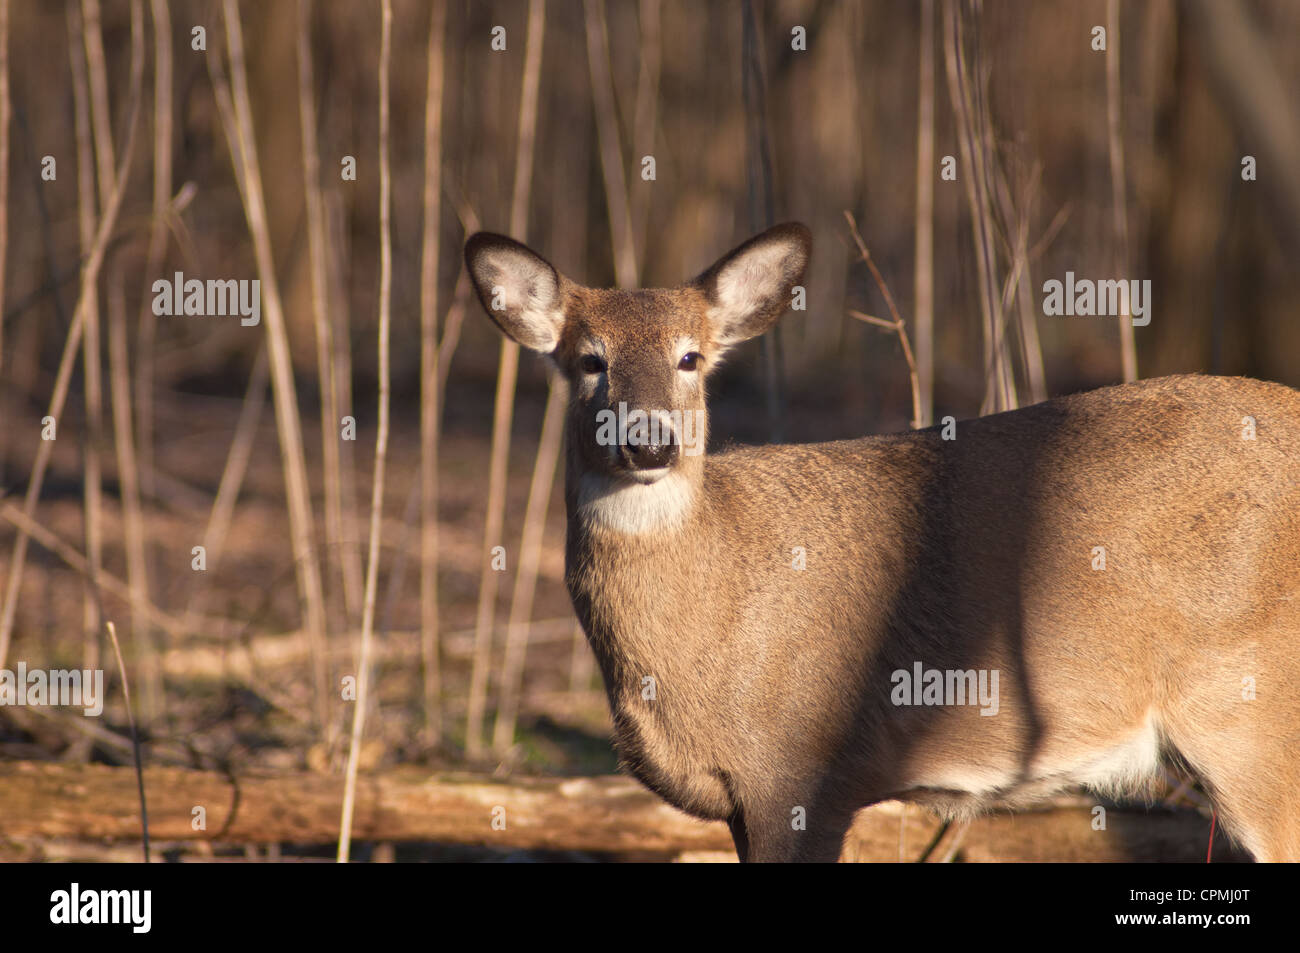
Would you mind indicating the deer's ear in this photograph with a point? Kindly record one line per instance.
(748, 288)
(519, 289)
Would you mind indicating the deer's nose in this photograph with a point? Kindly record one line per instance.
(645, 455)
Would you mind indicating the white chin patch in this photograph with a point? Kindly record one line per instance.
(652, 501)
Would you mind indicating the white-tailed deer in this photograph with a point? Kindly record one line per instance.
(1069, 594)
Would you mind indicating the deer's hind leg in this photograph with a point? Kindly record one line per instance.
(1261, 810)
(1249, 762)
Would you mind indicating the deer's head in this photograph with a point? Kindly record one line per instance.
(636, 361)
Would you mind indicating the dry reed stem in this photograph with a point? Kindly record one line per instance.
(5, 110)
(451, 326)
(101, 120)
(101, 125)
(528, 95)
(548, 448)
(762, 201)
(503, 406)
(530, 550)
(243, 148)
(158, 228)
(131, 474)
(1119, 189)
(135, 739)
(972, 138)
(329, 416)
(1021, 258)
(976, 84)
(89, 280)
(1049, 235)
(133, 526)
(1011, 285)
(129, 481)
(502, 416)
(79, 46)
(895, 325)
(381, 437)
(611, 153)
(923, 281)
(337, 235)
(646, 118)
(232, 480)
(539, 496)
(1014, 219)
(430, 397)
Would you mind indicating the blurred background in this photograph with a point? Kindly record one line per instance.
(209, 489)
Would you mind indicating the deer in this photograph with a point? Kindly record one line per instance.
(970, 616)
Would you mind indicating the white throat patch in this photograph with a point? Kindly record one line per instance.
(635, 508)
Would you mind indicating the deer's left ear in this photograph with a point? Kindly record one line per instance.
(519, 289)
(748, 288)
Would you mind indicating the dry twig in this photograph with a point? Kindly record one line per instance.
(381, 436)
(896, 325)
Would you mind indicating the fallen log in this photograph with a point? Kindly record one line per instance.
(44, 800)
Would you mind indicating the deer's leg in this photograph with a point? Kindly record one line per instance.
(1260, 817)
(785, 830)
(738, 835)
(1259, 806)
(1252, 772)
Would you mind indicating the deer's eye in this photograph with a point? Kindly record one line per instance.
(689, 362)
(591, 364)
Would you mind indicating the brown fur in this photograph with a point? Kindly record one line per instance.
(772, 685)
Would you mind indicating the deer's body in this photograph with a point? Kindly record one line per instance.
(749, 690)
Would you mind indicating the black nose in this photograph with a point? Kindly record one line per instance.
(649, 456)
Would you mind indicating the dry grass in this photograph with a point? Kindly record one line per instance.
(326, 372)
(923, 252)
(431, 380)
(1118, 180)
(237, 121)
(6, 113)
(85, 301)
(503, 408)
(381, 436)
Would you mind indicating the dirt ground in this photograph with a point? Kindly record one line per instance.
(236, 684)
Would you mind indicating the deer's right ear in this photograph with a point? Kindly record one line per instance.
(519, 289)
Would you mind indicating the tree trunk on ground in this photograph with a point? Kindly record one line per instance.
(602, 814)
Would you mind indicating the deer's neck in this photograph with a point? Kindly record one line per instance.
(639, 568)
(633, 550)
